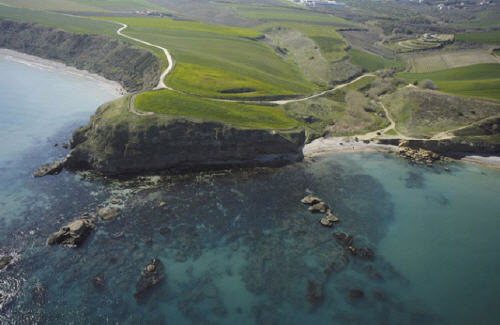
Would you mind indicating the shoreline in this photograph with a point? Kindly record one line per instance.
(324, 146)
(111, 86)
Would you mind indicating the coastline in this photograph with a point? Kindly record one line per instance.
(347, 144)
(111, 86)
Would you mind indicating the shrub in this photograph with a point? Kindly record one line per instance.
(428, 84)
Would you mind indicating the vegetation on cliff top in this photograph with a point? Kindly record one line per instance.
(242, 115)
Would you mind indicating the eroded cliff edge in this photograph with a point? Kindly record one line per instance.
(134, 68)
(117, 141)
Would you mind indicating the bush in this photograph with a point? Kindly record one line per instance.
(428, 84)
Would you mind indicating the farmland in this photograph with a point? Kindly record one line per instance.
(371, 62)
(449, 59)
(492, 37)
(480, 80)
(241, 115)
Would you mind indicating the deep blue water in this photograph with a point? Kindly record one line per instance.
(241, 248)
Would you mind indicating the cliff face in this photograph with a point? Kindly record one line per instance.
(119, 142)
(133, 68)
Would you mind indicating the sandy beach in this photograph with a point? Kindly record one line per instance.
(112, 86)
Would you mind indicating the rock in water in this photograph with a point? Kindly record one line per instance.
(310, 200)
(325, 222)
(5, 261)
(108, 213)
(49, 169)
(73, 234)
(343, 239)
(320, 207)
(355, 294)
(151, 275)
(331, 217)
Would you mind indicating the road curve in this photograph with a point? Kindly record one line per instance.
(161, 83)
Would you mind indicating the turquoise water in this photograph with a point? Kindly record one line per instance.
(241, 248)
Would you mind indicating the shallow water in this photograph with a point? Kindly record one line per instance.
(240, 246)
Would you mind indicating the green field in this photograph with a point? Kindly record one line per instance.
(281, 14)
(371, 62)
(492, 37)
(479, 80)
(241, 115)
(233, 54)
(73, 24)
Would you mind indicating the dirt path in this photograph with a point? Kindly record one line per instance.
(161, 83)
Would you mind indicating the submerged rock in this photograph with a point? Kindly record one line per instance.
(355, 294)
(49, 169)
(365, 252)
(73, 234)
(320, 207)
(345, 240)
(314, 293)
(151, 275)
(98, 282)
(108, 213)
(5, 261)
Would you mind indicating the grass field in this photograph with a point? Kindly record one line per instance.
(83, 5)
(232, 53)
(479, 80)
(282, 14)
(492, 37)
(241, 115)
(72, 24)
(449, 59)
(371, 62)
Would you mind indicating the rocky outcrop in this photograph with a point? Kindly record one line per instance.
(132, 67)
(5, 261)
(454, 147)
(151, 275)
(73, 234)
(49, 169)
(419, 156)
(117, 141)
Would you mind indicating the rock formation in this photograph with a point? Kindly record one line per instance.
(73, 234)
(49, 169)
(151, 275)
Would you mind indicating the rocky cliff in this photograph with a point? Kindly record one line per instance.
(132, 67)
(117, 141)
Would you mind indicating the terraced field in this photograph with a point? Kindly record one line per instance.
(425, 42)
(479, 80)
(242, 115)
(447, 60)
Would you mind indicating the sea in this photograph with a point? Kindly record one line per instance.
(237, 246)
